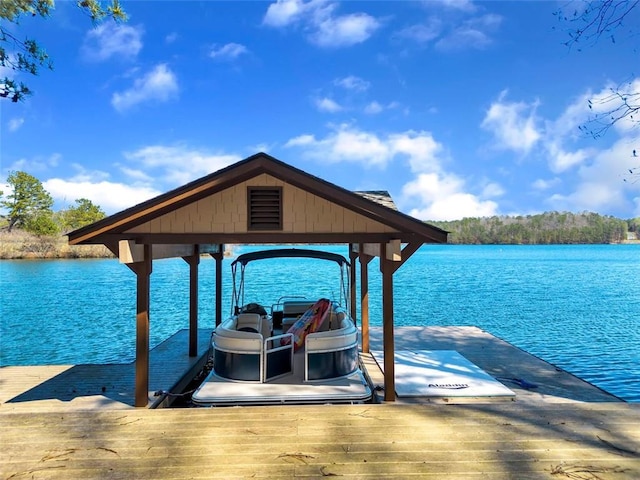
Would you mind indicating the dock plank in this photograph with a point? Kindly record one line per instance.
(354, 441)
(566, 428)
(495, 356)
(94, 387)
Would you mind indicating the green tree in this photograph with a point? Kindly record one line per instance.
(83, 213)
(41, 223)
(28, 204)
(26, 55)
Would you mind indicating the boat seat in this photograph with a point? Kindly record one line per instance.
(249, 322)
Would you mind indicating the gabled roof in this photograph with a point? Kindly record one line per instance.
(114, 227)
(379, 196)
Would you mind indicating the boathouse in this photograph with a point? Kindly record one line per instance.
(259, 200)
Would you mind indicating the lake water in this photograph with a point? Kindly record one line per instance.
(577, 307)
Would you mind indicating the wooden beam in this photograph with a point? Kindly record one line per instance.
(244, 238)
(352, 283)
(131, 252)
(408, 250)
(143, 281)
(364, 299)
(392, 250)
(193, 261)
(218, 258)
(386, 267)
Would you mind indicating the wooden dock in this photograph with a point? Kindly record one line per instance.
(58, 423)
(495, 441)
(499, 359)
(99, 387)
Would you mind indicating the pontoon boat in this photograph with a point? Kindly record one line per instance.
(295, 350)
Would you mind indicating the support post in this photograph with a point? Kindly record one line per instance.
(218, 256)
(143, 282)
(386, 267)
(352, 282)
(194, 262)
(364, 298)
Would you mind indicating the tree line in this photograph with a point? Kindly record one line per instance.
(29, 207)
(544, 228)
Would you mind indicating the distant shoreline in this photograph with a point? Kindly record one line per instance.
(20, 245)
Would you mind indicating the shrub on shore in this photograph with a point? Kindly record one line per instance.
(19, 244)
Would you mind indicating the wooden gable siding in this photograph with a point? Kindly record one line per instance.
(226, 212)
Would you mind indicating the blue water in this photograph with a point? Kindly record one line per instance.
(577, 307)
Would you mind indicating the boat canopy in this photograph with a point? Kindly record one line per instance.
(289, 253)
(244, 259)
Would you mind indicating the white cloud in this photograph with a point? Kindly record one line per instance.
(492, 190)
(157, 85)
(464, 5)
(111, 39)
(176, 165)
(348, 144)
(327, 105)
(513, 124)
(432, 194)
(37, 164)
(541, 184)
(324, 28)
(301, 141)
(443, 198)
(423, 32)
(15, 123)
(583, 178)
(373, 108)
(352, 83)
(345, 145)
(561, 160)
(617, 102)
(345, 30)
(285, 12)
(473, 33)
(110, 196)
(601, 186)
(423, 151)
(228, 51)
(152, 170)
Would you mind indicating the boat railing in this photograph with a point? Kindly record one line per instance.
(332, 353)
(253, 356)
(278, 357)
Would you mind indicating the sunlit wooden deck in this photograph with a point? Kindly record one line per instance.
(497, 441)
(566, 428)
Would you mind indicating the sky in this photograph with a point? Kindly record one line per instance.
(457, 108)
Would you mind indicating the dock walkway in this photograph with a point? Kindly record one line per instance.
(99, 387)
(494, 441)
(566, 428)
